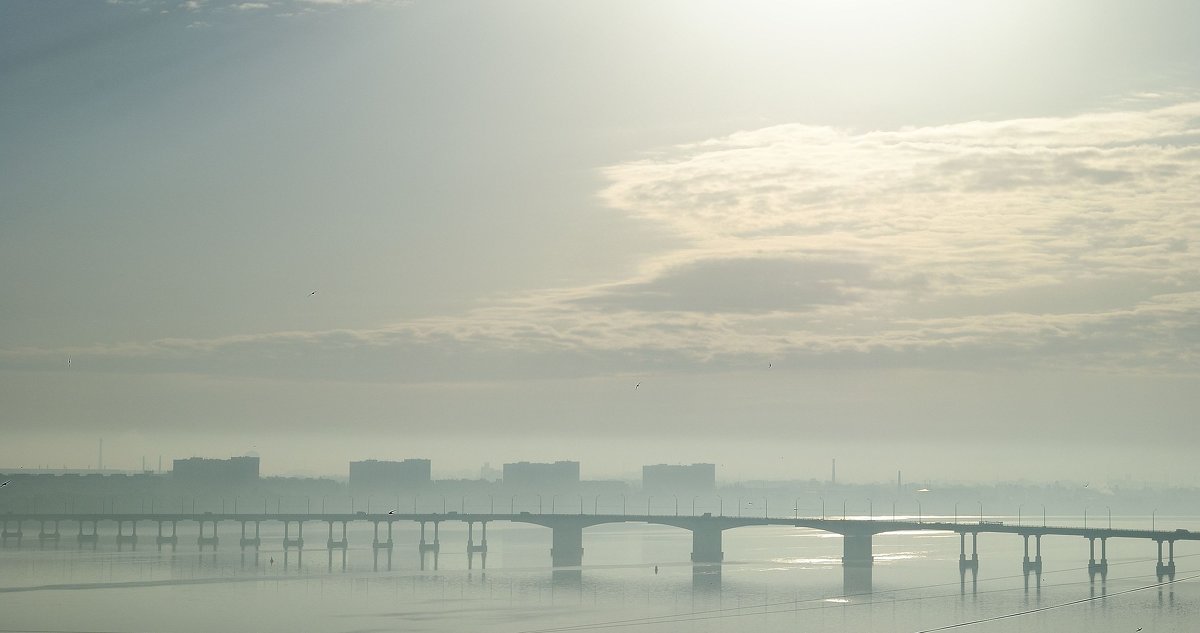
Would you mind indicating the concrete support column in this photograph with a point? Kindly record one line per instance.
(1166, 570)
(567, 548)
(1034, 565)
(706, 545)
(1097, 567)
(857, 563)
(856, 550)
(965, 563)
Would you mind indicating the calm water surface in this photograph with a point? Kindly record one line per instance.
(775, 579)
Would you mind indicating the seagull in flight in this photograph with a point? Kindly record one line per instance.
(637, 385)
(312, 293)
(6, 482)
(391, 512)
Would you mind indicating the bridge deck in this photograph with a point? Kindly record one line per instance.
(840, 526)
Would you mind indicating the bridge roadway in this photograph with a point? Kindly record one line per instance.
(567, 532)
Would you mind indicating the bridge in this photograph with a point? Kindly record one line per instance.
(567, 534)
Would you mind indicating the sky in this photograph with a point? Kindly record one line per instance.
(954, 238)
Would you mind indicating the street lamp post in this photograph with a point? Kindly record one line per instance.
(870, 510)
(822, 507)
(1043, 515)
(1019, 506)
(956, 512)
(676, 504)
(1085, 517)
(1109, 516)
(1152, 516)
(919, 515)
(980, 512)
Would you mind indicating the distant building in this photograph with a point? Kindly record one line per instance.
(406, 474)
(200, 471)
(561, 474)
(487, 473)
(675, 478)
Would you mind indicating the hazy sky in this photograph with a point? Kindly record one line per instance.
(958, 238)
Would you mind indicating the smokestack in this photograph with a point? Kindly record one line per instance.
(899, 481)
(833, 474)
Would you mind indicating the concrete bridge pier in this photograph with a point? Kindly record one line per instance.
(92, 538)
(288, 541)
(706, 545)
(472, 548)
(173, 539)
(857, 563)
(376, 543)
(435, 547)
(1035, 565)
(43, 535)
(342, 544)
(122, 537)
(965, 563)
(6, 533)
(330, 554)
(202, 540)
(1102, 566)
(246, 541)
(566, 548)
(1165, 570)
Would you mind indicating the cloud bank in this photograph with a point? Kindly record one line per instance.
(1065, 242)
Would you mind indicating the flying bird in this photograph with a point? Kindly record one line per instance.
(6, 483)
(769, 365)
(391, 512)
(637, 385)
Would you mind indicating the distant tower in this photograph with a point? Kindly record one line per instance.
(899, 482)
(833, 473)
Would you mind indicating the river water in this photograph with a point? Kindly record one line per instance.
(774, 579)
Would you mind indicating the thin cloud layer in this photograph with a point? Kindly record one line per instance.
(1056, 242)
